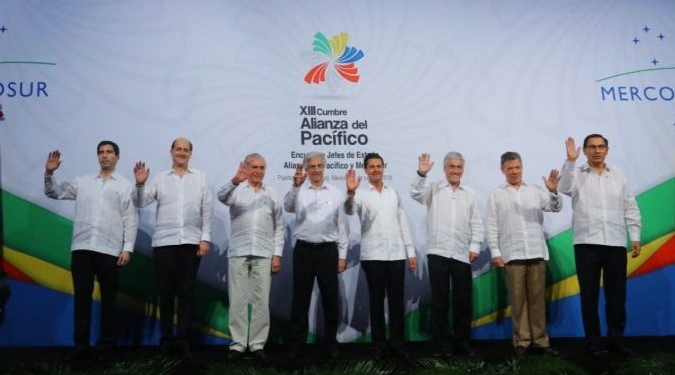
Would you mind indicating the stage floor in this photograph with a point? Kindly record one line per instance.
(572, 350)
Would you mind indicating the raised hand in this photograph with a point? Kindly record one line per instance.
(299, 176)
(425, 164)
(53, 161)
(352, 181)
(552, 180)
(241, 175)
(572, 150)
(141, 173)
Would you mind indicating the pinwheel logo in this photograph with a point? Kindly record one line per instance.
(337, 53)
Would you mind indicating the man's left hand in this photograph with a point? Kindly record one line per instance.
(203, 248)
(124, 258)
(636, 249)
(276, 264)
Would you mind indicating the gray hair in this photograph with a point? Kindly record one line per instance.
(453, 155)
(313, 155)
(510, 155)
(254, 155)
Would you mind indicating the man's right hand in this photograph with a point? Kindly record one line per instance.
(53, 162)
(141, 173)
(572, 150)
(299, 176)
(425, 164)
(352, 181)
(241, 175)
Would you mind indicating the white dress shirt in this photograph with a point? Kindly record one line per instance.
(257, 225)
(514, 221)
(384, 229)
(602, 205)
(319, 215)
(453, 219)
(105, 218)
(184, 207)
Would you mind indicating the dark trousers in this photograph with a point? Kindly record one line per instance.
(611, 262)
(386, 277)
(314, 261)
(175, 272)
(84, 266)
(443, 270)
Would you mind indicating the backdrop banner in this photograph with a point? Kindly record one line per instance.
(284, 78)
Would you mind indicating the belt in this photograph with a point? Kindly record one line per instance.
(313, 244)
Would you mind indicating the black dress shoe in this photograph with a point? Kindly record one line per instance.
(234, 355)
(548, 351)
(166, 348)
(332, 352)
(400, 353)
(259, 354)
(597, 351)
(520, 351)
(77, 355)
(620, 349)
(464, 350)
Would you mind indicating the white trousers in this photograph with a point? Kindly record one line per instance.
(249, 277)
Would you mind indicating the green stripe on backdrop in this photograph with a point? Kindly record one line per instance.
(40, 233)
(657, 207)
(45, 235)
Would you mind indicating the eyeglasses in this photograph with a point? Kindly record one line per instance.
(596, 147)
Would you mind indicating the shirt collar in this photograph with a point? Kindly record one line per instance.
(171, 171)
(587, 168)
(445, 184)
(114, 175)
(506, 185)
(246, 185)
(309, 186)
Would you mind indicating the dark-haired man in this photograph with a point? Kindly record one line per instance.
(104, 233)
(515, 234)
(385, 245)
(605, 214)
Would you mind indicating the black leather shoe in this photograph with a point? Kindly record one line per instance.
(234, 355)
(400, 353)
(520, 351)
(77, 355)
(620, 349)
(259, 354)
(597, 351)
(464, 350)
(332, 352)
(548, 351)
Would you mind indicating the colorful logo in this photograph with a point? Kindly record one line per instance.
(337, 53)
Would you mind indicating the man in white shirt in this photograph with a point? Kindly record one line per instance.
(455, 232)
(516, 238)
(320, 252)
(605, 214)
(254, 254)
(104, 233)
(181, 238)
(385, 245)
